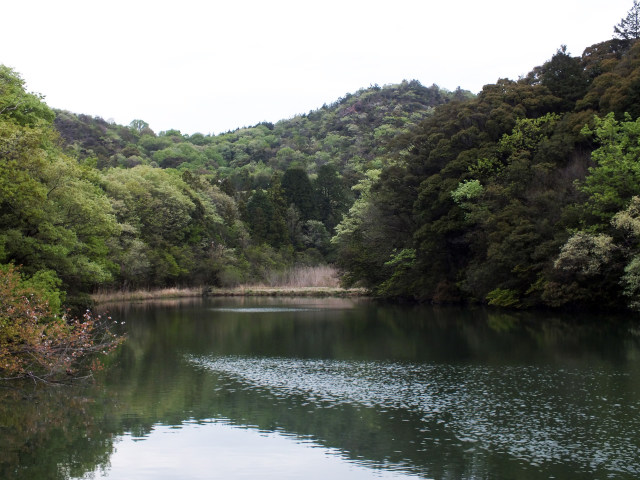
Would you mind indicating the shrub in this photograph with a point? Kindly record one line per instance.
(36, 340)
(501, 297)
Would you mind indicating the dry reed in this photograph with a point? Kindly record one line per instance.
(303, 276)
(105, 296)
(296, 281)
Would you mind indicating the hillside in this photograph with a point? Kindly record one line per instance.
(523, 196)
(350, 134)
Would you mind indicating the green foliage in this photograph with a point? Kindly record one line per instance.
(359, 124)
(316, 236)
(331, 196)
(585, 254)
(265, 221)
(53, 214)
(47, 284)
(361, 244)
(628, 221)
(466, 191)
(401, 281)
(501, 198)
(19, 107)
(488, 194)
(503, 298)
(564, 76)
(169, 226)
(298, 191)
(616, 176)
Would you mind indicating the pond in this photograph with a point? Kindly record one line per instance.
(283, 388)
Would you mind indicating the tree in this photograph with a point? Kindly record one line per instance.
(265, 221)
(615, 179)
(138, 125)
(176, 223)
(299, 191)
(53, 215)
(315, 235)
(331, 196)
(629, 27)
(25, 109)
(564, 76)
(38, 341)
(362, 245)
(628, 221)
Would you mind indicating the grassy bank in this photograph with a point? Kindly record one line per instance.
(262, 291)
(320, 281)
(145, 294)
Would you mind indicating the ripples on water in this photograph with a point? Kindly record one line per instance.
(535, 414)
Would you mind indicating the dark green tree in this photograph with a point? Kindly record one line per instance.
(564, 76)
(299, 192)
(629, 26)
(332, 197)
(265, 222)
(277, 197)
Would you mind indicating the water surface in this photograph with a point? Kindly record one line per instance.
(339, 388)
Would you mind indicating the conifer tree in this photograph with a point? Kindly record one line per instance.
(629, 27)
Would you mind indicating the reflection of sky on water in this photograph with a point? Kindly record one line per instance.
(220, 451)
(536, 414)
(284, 305)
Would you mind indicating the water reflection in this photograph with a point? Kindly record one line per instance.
(54, 434)
(539, 416)
(220, 450)
(433, 393)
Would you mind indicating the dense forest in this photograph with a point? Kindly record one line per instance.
(104, 205)
(524, 195)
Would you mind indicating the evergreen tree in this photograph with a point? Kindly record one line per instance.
(299, 192)
(331, 196)
(265, 222)
(629, 27)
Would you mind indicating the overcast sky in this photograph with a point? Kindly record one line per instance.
(212, 66)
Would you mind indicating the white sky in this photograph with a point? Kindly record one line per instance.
(212, 66)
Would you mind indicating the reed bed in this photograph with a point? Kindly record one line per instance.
(301, 281)
(144, 294)
(303, 277)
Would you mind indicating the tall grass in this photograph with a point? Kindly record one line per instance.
(289, 280)
(303, 276)
(104, 296)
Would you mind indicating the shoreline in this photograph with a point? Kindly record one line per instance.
(241, 291)
(260, 291)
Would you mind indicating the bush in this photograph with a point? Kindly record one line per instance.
(501, 297)
(38, 341)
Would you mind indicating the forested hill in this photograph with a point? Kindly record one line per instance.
(88, 204)
(525, 195)
(350, 134)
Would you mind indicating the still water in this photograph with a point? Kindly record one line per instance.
(339, 388)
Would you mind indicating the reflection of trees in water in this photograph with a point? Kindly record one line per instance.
(70, 431)
(53, 433)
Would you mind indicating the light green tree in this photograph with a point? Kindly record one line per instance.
(615, 179)
(53, 215)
